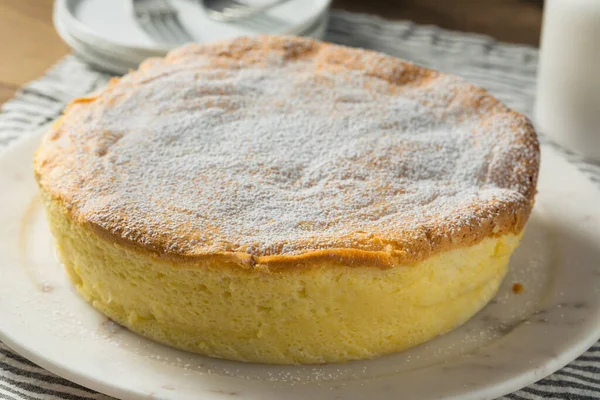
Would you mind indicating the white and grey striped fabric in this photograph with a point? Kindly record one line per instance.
(508, 71)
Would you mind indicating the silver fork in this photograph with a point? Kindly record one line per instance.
(160, 20)
(233, 10)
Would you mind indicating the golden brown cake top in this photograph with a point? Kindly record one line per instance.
(280, 150)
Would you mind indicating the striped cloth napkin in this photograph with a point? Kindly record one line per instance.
(508, 71)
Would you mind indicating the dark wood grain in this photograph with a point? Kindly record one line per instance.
(517, 21)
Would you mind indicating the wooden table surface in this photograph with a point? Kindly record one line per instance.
(30, 45)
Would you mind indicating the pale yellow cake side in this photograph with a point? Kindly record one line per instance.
(327, 313)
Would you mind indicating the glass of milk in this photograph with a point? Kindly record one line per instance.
(567, 105)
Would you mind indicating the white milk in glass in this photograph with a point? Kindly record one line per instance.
(568, 93)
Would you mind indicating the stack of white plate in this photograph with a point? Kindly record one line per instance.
(106, 34)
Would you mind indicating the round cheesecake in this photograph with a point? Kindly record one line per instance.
(284, 200)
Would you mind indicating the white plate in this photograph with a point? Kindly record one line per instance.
(100, 60)
(118, 64)
(110, 25)
(513, 342)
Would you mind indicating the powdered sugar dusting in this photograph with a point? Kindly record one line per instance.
(287, 156)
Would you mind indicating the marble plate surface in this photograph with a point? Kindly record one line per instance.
(516, 340)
